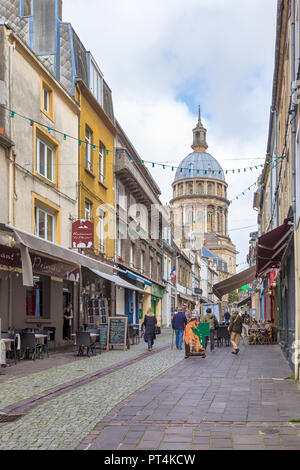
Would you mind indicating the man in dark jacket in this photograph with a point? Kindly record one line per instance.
(178, 323)
(235, 329)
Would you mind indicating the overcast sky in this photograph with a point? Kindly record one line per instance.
(162, 58)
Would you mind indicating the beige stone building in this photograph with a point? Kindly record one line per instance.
(39, 170)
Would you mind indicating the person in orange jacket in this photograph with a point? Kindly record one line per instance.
(192, 338)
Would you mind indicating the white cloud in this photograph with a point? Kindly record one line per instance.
(162, 58)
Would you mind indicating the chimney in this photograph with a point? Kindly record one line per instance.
(46, 14)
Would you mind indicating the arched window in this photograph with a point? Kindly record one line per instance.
(191, 191)
(210, 219)
(200, 188)
(220, 221)
(180, 190)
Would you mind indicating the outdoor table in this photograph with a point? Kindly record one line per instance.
(7, 342)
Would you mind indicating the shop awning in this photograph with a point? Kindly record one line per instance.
(27, 241)
(234, 282)
(187, 297)
(271, 247)
(244, 302)
(135, 277)
(117, 280)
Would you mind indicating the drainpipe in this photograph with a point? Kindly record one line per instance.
(294, 131)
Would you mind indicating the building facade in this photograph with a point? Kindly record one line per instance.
(38, 185)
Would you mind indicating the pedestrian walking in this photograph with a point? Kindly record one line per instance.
(213, 325)
(227, 317)
(178, 324)
(68, 317)
(149, 324)
(235, 329)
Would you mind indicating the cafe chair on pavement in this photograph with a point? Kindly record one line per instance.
(29, 344)
(84, 340)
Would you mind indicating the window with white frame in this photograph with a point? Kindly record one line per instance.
(96, 82)
(88, 148)
(101, 233)
(46, 99)
(142, 263)
(44, 223)
(45, 159)
(101, 162)
(121, 196)
(131, 256)
(151, 267)
(88, 210)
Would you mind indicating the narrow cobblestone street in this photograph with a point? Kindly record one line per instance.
(160, 401)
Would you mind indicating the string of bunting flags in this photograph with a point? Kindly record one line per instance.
(119, 155)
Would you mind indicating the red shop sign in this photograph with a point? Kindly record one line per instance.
(83, 234)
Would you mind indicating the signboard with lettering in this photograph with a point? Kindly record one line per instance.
(117, 332)
(103, 329)
(83, 234)
(40, 265)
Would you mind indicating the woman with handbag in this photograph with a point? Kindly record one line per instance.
(235, 329)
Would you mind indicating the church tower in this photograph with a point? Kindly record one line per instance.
(200, 203)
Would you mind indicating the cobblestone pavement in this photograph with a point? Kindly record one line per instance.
(61, 423)
(223, 402)
(46, 374)
(161, 402)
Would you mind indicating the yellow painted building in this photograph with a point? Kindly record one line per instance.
(96, 170)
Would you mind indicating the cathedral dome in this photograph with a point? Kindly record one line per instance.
(200, 165)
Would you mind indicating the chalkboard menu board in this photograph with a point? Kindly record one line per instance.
(103, 335)
(117, 328)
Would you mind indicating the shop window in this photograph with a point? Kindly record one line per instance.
(44, 224)
(35, 298)
(45, 159)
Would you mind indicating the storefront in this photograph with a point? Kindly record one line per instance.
(36, 283)
(55, 283)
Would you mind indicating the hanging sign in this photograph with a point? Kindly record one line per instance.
(83, 234)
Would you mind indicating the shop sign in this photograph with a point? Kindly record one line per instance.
(198, 291)
(12, 257)
(157, 291)
(83, 234)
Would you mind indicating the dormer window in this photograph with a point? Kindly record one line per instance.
(96, 82)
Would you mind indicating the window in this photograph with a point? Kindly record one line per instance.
(151, 267)
(101, 233)
(102, 151)
(88, 148)
(35, 297)
(131, 256)
(96, 82)
(44, 223)
(88, 210)
(191, 191)
(121, 196)
(209, 189)
(119, 248)
(45, 160)
(46, 99)
(200, 190)
(142, 263)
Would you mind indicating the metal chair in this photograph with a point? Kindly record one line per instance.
(83, 340)
(28, 343)
(13, 345)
